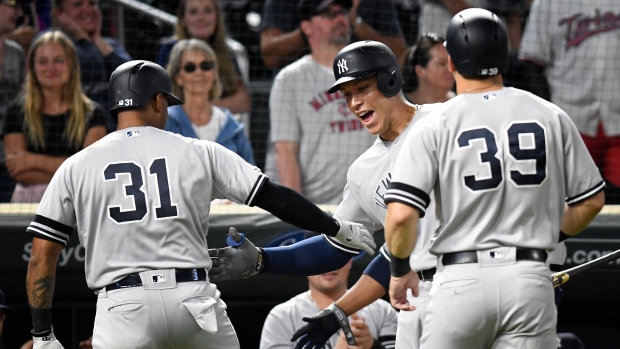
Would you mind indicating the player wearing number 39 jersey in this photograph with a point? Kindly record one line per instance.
(140, 200)
(503, 164)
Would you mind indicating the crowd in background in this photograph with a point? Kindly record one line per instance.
(56, 57)
(249, 44)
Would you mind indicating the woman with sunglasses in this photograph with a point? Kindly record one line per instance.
(427, 78)
(204, 20)
(193, 69)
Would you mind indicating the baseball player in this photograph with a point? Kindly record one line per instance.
(134, 197)
(371, 84)
(502, 164)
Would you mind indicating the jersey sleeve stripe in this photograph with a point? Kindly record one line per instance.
(410, 191)
(52, 224)
(337, 244)
(43, 233)
(586, 194)
(255, 189)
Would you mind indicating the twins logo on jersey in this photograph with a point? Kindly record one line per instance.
(383, 185)
(580, 27)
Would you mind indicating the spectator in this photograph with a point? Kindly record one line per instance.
(373, 326)
(436, 15)
(193, 71)
(314, 135)
(53, 121)
(203, 19)
(98, 56)
(282, 40)
(576, 44)
(12, 64)
(28, 24)
(426, 73)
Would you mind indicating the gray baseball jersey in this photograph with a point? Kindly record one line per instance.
(140, 198)
(368, 179)
(579, 43)
(286, 318)
(330, 137)
(507, 150)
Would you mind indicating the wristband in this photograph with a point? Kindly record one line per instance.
(41, 320)
(563, 236)
(399, 266)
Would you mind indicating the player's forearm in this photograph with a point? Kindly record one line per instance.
(278, 48)
(365, 291)
(312, 256)
(294, 208)
(401, 229)
(577, 217)
(40, 282)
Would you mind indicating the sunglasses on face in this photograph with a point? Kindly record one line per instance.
(204, 66)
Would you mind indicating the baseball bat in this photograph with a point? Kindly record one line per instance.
(560, 278)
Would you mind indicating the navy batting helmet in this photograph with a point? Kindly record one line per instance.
(477, 43)
(364, 58)
(133, 84)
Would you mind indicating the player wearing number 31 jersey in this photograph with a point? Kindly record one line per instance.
(140, 200)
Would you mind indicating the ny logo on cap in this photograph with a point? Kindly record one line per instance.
(342, 66)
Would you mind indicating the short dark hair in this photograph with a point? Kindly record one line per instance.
(418, 54)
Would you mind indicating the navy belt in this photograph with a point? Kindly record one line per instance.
(181, 275)
(426, 275)
(523, 254)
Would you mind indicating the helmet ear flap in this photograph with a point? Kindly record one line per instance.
(389, 84)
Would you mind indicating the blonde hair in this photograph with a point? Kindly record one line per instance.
(226, 69)
(174, 65)
(79, 105)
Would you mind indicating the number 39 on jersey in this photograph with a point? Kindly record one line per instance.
(527, 145)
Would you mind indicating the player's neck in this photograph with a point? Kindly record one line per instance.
(401, 116)
(464, 85)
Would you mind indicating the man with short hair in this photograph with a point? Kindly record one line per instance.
(314, 136)
(140, 199)
(511, 177)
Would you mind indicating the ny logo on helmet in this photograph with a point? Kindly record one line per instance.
(342, 66)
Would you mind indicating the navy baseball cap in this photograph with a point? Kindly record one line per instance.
(3, 303)
(309, 8)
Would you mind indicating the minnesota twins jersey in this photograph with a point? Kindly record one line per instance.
(368, 179)
(502, 165)
(579, 43)
(286, 318)
(330, 137)
(140, 198)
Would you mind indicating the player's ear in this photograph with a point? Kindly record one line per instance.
(451, 66)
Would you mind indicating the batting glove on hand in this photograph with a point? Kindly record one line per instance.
(355, 235)
(45, 340)
(321, 327)
(241, 259)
